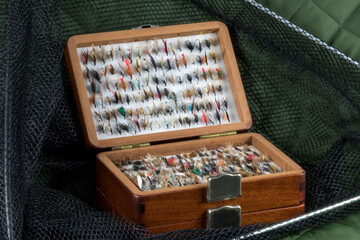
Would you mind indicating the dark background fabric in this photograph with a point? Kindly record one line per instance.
(337, 22)
(303, 97)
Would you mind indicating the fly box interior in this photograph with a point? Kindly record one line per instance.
(170, 105)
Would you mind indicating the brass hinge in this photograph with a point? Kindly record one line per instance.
(130, 146)
(218, 135)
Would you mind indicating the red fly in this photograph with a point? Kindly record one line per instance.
(184, 60)
(204, 118)
(158, 92)
(165, 47)
(123, 84)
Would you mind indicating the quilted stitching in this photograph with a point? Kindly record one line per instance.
(338, 28)
(354, 18)
(353, 46)
(339, 10)
(333, 22)
(311, 17)
(287, 9)
(341, 26)
(297, 9)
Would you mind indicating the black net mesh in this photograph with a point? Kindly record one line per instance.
(303, 97)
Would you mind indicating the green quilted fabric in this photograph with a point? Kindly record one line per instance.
(337, 23)
(333, 21)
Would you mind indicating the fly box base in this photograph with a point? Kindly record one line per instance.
(168, 91)
(265, 198)
(266, 216)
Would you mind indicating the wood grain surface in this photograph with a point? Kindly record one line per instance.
(266, 216)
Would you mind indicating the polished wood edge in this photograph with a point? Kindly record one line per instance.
(79, 89)
(279, 214)
(293, 169)
(83, 103)
(265, 216)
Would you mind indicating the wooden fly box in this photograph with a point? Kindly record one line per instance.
(168, 105)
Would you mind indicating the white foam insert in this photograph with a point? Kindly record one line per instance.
(177, 88)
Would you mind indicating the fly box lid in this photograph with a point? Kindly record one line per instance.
(156, 84)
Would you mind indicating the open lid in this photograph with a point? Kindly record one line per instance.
(156, 84)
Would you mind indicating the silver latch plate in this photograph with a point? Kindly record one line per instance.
(223, 187)
(226, 216)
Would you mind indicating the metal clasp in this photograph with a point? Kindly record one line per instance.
(219, 188)
(223, 187)
(226, 216)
